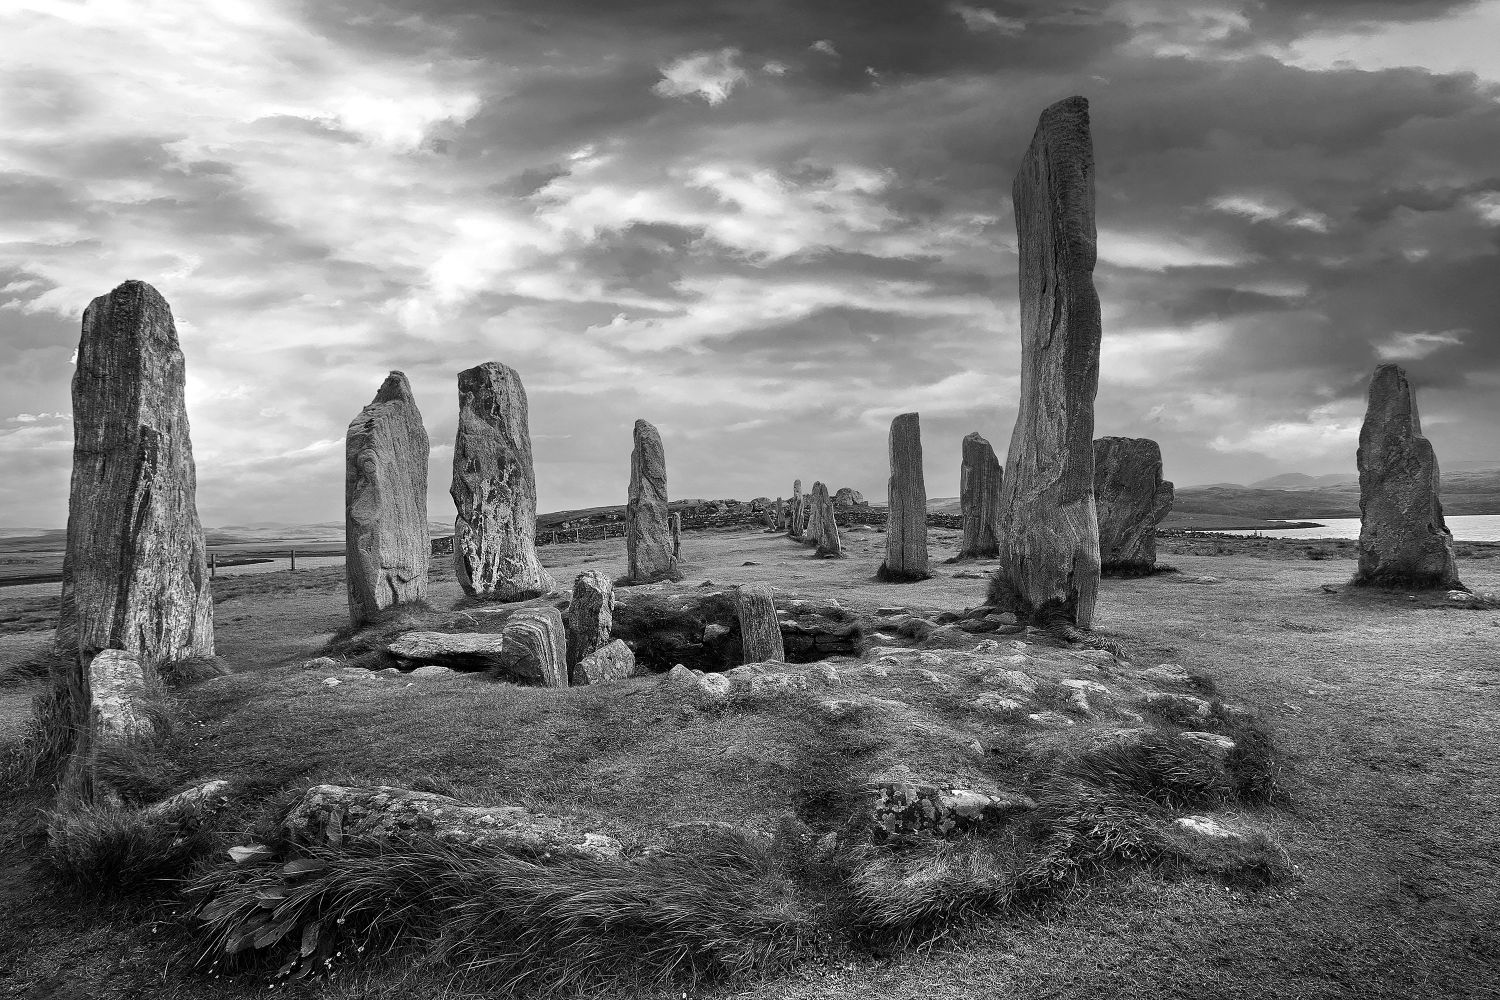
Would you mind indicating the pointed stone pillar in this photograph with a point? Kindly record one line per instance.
(979, 481)
(1131, 499)
(906, 516)
(648, 532)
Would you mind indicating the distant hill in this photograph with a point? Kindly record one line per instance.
(1300, 481)
(1463, 492)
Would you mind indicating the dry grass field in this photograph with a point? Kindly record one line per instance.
(1383, 706)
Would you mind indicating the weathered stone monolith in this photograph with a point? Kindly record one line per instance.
(1403, 539)
(979, 480)
(1049, 533)
(906, 514)
(648, 531)
(780, 514)
(386, 544)
(812, 529)
(760, 629)
(534, 646)
(677, 535)
(591, 614)
(494, 489)
(826, 536)
(794, 511)
(1131, 499)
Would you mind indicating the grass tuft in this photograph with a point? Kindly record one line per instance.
(377, 633)
(192, 670)
(123, 851)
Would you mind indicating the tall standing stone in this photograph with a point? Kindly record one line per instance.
(813, 527)
(826, 536)
(1403, 539)
(494, 489)
(760, 629)
(979, 481)
(1131, 499)
(906, 515)
(794, 520)
(1049, 532)
(780, 514)
(677, 535)
(386, 544)
(648, 534)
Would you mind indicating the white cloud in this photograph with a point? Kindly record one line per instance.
(1486, 206)
(981, 19)
(1413, 346)
(824, 46)
(1264, 208)
(1325, 431)
(709, 75)
(774, 68)
(1460, 42)
(1158, 251)
(1145, 357)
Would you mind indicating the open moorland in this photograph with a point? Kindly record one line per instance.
(1367, 866)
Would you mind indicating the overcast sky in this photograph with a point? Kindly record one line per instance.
(766, 226)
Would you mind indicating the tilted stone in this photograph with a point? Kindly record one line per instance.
(1131, 499)
(906, 520)
(827, 534)
(590, 614)
(1403, 538)
(386, 545)
(1049, 534)
(648, 533)
(760, 629)
(494, 489)
(611, 662)
(780, 524)
(979, 481)
(535, 646)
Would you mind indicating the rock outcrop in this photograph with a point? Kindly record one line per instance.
(590, 614)
(611, 662)
(1403, 539)
(979, 481)
(760, 629)
(648, 533)
(386, 544)
(826, 535)
(494, 489)
(906, 522)
(1131, 499)
(1049, 533)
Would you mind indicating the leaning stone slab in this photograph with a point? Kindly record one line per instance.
(332, 815)
(494, 489)
(979, 480)
(613, 661)
(535, 647)
(386, 545)
(1403, 538)
(648, 533)
(906, 520)
(826, 530)
(467, 651)
(1130, 499)
(1049, 532)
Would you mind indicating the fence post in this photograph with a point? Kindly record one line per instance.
(294, 560)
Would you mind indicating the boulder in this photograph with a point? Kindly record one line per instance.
(1403, 540)
(494, 489)
(611, 662)
(534, 647)
(386, 544)
(846, 499)
(648, 530)
(906, 523)
(979, 480)
(590, 614)
(760, 629)
(1049, 533)
(1130, 499)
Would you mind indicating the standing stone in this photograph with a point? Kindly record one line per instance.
(1049, 533)
(648, 537)
(1403, 539)
(1131, 499)
(906, 517)
(135, 570)
(780, 514)
(677, 535)
(827, 534)
(494, 489)
(591, 614)
(979, 481)
(760, 629)
(794, 524)
(386, 545)
(534, 646)
(813, 528)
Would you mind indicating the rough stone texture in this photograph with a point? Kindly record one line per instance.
(494, 489)
(386, 544)
(906, 522)
(826, 536)
(135, 572)
(1049, 532)
(590, 614)
(648, 538)
(534, 646)
(458, 650)
(847, 498)
(1403, 539)
(676, 536)
(979, 480)
(906, 809)
(117, 678)
(1131, 499)
(813, 527)
(332, 814)
(611, 662)
(760, 629)
(780, 524)
(795, 524)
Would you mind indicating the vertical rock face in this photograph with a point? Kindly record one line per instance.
(760, 629)
(794, 511)
(534, 646)
(906, 521)
(1131, 499)
(1049, 534)
(135, 574)
(1403, 539)
(979, 481)
(494, 489)
(386, 544)
(591, 614)
(827, 536)
(648, 535)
